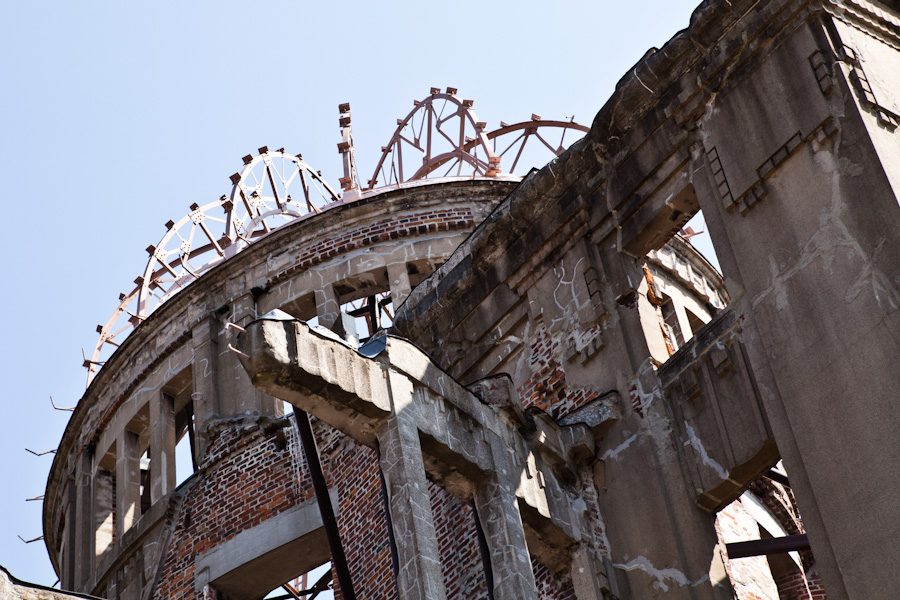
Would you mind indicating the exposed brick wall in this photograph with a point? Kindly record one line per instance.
(352, 471)
(244, 480)
(750, 577)
(814, 583)
(595, 534)
(733, 524)
(797, 585)
(792, 586)
(779, 501)
(546, 387)
(454, 523)
(550, 585)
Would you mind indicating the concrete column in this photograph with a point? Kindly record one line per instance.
(819, 302)
(589, 577)
(420, 576)
(203, 369)
(128, 481)
(498, 511)
(399, 280)
(84, 522)
(237, 395)
(67, 577)
(625, 275)
(328, 308)
(162, 446)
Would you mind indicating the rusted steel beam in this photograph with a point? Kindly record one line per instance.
(778, 478)
(320, 486)
(789, 543)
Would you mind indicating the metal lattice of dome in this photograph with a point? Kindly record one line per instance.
(441, 138)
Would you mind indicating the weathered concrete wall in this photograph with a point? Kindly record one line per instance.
(756, 115)
(597, 464)
(820, 304)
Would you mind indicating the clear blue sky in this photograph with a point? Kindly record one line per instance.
(116, 116)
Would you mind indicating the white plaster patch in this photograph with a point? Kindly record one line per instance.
(614, 452)
(661, 576)
(694, 442)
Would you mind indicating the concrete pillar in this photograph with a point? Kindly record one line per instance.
(328, 307)
(84, 522)
(237, 395)
(498, 511)
(819, 302)
(162, 446)
(128, 481)
(420, 576)
(589, 577)
(624, 275)
(399, 281)
(67, 577)
(203, 369)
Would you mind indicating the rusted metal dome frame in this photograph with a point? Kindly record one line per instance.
(200, 240)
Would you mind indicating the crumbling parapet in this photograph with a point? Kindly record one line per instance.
(13, 589)
(470, 446)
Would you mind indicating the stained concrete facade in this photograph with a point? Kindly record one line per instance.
(564, 377)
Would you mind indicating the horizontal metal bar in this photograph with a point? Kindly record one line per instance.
(789, 543)
(778, 478)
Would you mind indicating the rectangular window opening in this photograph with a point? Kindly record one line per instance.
(145, 481)
(370, 314)
(695, 233)
(185, 443)
(104, 503)
(673, 328)
(316, 583)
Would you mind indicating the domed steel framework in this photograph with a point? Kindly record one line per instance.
(442, 136)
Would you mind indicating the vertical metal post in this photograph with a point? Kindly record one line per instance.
(374, 325)
(392, 541)
(485, 553)
(189, 415)
(311, 452)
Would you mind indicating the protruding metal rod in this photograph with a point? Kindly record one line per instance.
(320, 486)
(53, 404)
(37, 539)
(41, 453)
(238, 352)
(192, 440)
(374, 325)
(485, 553)
(395, 560)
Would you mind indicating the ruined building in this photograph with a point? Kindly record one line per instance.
(523, 388)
